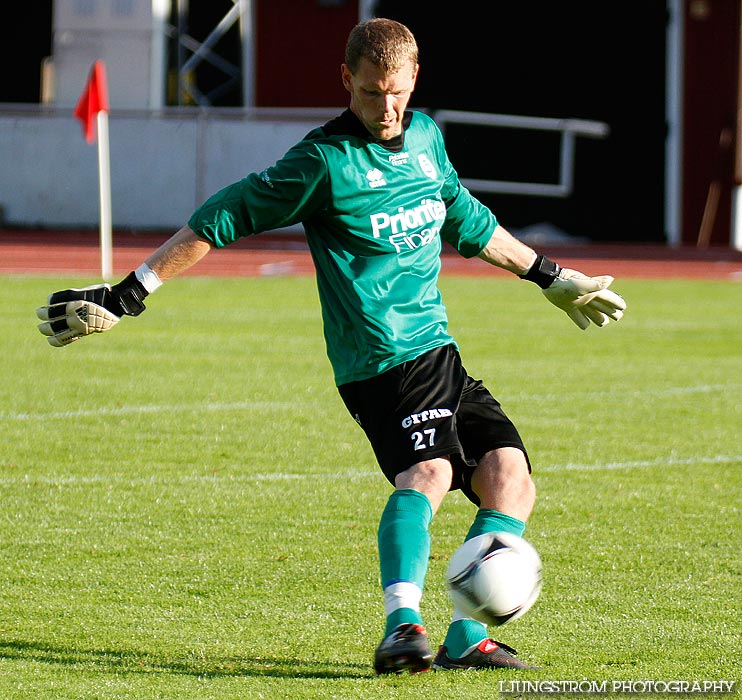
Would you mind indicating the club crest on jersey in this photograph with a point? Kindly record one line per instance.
(375, 178)
(426, 166)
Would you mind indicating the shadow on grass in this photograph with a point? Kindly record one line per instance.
(126, 661)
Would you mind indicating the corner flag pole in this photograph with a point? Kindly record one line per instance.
(92, 110)
(104, 186)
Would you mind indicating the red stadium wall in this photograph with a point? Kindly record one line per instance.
(711, 71)
(299, 47)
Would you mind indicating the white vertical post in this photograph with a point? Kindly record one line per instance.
(104, 186)
(735, 237)
(736, 218)
(249, 53)
(366, 9)
(674, 118)
(158, 64)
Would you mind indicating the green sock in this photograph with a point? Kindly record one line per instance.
(465, 633)
(488, 520)
(404, 549)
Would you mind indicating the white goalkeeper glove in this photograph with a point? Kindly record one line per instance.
(73, 313)
(584, 299)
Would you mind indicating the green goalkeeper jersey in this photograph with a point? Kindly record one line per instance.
(374, 213)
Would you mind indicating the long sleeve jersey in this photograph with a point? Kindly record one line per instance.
(375, 214)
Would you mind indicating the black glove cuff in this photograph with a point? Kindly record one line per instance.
(543, 272)
(128, 294)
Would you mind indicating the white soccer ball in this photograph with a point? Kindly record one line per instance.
(494, 578)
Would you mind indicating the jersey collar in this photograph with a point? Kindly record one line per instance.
(349, 124)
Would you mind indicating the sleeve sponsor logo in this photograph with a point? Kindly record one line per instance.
(266, 178)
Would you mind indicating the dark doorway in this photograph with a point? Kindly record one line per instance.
(299, 47)
(26, 42)
(602, 61)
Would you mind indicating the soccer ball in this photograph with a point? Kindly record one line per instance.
(494, 578)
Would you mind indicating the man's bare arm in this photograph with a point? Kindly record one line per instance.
(584, 299)
(71, 314)
(180, 252)
(505, 251)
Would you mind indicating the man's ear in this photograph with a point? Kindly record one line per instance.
(346, 76)
(414, 75)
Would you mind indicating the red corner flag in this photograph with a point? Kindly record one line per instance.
(94, 99)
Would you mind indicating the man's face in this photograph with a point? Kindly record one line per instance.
(379, 98)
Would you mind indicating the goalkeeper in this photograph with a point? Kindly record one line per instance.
(377, 195)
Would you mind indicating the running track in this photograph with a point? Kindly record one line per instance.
(71, 253)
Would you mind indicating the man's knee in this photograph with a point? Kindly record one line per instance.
(502, 481)
(432, 477)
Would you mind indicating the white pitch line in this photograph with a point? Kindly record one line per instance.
(669, 391)
(135, 410)
(663, 462)
(348, 475)
(188, 478)
(244, 405)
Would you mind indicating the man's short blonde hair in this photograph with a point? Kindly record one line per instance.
(383, 42)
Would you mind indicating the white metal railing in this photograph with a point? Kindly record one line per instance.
(568, 128)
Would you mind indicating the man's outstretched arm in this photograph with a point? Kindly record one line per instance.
(177, 254)
(71, 314)
(584, 299)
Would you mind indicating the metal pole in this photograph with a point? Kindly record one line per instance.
(104, 186)
(674, 118)
(736, 232)
(182, 9)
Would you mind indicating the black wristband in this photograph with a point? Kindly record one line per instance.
(128, 294)
(543, 272)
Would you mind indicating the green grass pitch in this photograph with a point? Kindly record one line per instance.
(189, 512)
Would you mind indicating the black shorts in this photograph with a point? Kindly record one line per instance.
(426, 408)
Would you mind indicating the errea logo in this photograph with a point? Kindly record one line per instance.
(375, 178)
